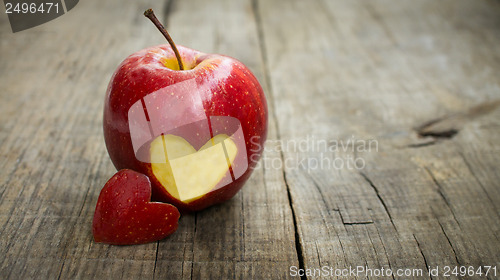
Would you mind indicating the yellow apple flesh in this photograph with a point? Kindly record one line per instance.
(187, 174)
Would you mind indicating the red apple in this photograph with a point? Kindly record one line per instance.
(124, 214)
(197, 133)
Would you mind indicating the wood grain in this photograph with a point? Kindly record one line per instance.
(374, 70)
(382, 82)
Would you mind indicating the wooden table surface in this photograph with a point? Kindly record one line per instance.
(383, 148)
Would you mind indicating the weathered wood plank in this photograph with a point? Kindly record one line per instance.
(377, 70)
(55, 160)
(251, 236)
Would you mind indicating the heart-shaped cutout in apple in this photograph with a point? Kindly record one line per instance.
(174, 161)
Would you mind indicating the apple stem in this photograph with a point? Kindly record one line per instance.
(151, 15)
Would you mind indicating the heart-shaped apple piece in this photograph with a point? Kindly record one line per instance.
(188, 174)
(125, 215)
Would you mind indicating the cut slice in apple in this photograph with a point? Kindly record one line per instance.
(188, 174)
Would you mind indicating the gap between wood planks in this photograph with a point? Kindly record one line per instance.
(267, 81)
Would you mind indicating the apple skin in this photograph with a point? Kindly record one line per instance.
(233, 91)
(124, 214)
